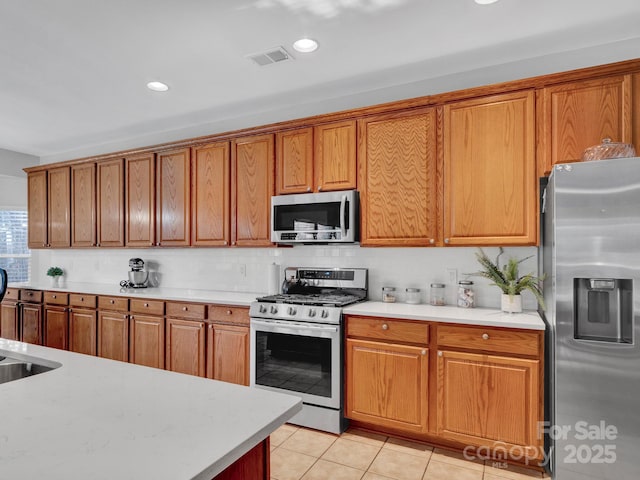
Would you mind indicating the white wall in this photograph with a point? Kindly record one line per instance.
(13, 193)
(221, 268)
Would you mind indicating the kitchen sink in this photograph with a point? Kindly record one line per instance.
(14, 369)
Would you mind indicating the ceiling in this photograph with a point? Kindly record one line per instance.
(73, 72)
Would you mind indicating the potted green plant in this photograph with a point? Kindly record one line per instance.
(55, 273)
(508, 279)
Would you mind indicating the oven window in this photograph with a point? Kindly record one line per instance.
(293, 362)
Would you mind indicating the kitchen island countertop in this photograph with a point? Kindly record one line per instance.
(93, 418)
(487, 317)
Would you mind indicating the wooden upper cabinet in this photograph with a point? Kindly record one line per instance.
(397, 180)
(173, 183)
(59, 207)
(83, 205)
(110, 221)
(37, 209)
(490, 179)
(252, 185)
(140, 200)
(210, 195)
(577, 115)
(335, 156)
(294, 161)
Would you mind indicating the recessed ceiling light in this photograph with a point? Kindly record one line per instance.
(305, 45)
(485, 2)
(158, 86)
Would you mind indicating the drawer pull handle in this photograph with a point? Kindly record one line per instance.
(55, 296)
(485, 336)
(229, 312)
(184, 309)
(424, 351)
(132, 317)
(385, 326)
(125, 316)
(82, 299)
(146, 304)
(112, 302)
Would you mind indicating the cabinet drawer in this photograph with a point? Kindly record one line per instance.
(152, 307)
(51, 298)
(34, 296)
(387, 329)
(227, 314)
(80, 300)
(186, 310)
(118, 304)
(12, 294)
(489, 339)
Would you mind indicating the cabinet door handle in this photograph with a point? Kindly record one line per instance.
(184, 309)
(146, 304)
(485, 336)
(308, 189)
(385, 326)
(54, 296)
(320, 188)
(112, 302)
(131, 317)
(446, 240)
(439, 354)
(423, 352)
(432, 241)
(125, 316)
(229, 312)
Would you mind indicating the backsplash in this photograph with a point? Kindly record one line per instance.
(247, 269)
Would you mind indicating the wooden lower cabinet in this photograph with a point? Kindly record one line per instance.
(185, 346)
(83, 331)
(147, 345)
(113, 335)
(252, 465)
(228, 353)
(56, 327)
(9, 328)
(387, 384)
(31, 323)
(489, 401)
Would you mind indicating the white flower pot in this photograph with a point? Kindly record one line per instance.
(511, 303)
(55, 281)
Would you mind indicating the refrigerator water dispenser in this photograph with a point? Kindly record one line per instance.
(603, 309)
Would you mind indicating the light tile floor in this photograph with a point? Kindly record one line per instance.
(302, 454)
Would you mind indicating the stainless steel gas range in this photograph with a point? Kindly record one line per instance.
(297, 341)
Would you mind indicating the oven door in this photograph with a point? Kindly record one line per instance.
(298, 358)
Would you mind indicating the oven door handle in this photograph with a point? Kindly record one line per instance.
(295, 328)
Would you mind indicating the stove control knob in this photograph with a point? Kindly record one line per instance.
(312, 313)
(274, 309)
(324, 314)
(292, 311)
(263, 309)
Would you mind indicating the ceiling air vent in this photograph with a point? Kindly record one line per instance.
(273, 55)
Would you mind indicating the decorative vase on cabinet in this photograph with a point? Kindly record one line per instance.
(511, 303)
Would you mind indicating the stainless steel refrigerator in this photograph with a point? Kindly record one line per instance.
(591, 257)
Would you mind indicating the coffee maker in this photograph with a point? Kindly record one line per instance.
(137, 275)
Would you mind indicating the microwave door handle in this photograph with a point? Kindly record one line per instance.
(343, 207)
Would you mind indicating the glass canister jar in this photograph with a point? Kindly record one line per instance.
(466, 295)
(413, 295)
(388, 294)
(437, 294)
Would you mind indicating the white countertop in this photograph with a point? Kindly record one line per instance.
(96, 419)
(470, 316)
(177, 294)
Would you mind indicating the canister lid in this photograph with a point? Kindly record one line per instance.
(437, 285)
(412, 290)
(465, 282)
(388, 289)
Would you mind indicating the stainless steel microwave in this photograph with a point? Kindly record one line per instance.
(326, 217)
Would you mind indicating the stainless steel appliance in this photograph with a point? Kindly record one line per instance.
(137, 275)
(591, 257)
(297, 341)
(327, 217)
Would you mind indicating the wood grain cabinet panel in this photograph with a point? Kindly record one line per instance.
(31, 323)
(83, 205)
(252, 185)
(59, 207)
(56, 327)
(398, 179)
(37, 209)
(335, 156)
(210, 196)
(111, 211)
(387, 385)
(83, 331)
(9, 317)
(185, 347)
(577, 115)
(490, 179)
(140, 200)
(294, 161)
(113, 335)
(484, 399)
(147, 341)
(228, 353)
(173, 182)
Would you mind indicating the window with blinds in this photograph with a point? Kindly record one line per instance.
(15, 257)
